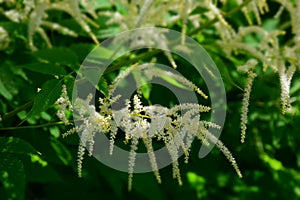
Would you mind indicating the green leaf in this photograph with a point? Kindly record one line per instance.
(61, 55)
(46, 68)
(81, 50)
(8, 81)
(271, 24)
(145, 87)
(92, 68)
(37, 171)
(4, 91)
(100, 53)
(61, 151)
(69, 82)
(121, 8)
(103, 86)
(198, 183)
(108, 32)
(101, 4)
(224, 71)
(15, 146)
(152, 187)
(55, 131)
(273, 163)
(50, 92)
(12, 176)
(146, 90)
(37, 159)
(174, 82)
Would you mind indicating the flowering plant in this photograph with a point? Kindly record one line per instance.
(51, 49)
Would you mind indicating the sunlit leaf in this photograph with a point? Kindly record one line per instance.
(273, 163)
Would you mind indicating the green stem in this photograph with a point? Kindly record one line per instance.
(211, 22)
(18, 109)
(31, 127)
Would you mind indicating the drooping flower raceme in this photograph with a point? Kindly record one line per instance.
(35, 14)
(175, 127)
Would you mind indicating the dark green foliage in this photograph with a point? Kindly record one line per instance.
(37, 163)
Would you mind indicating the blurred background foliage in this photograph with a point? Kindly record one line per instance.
(37, 163)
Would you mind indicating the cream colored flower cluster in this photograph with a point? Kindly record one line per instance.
(64, 105)
(269, 52)
(147, 124)
(175, 127)
(148, 13)
(34, 13)
(38, 20)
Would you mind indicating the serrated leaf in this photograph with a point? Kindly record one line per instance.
(12, 176)
(50, 92)
(16, 146)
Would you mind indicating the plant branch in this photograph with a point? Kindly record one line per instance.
(18, 109)
(31, 127)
